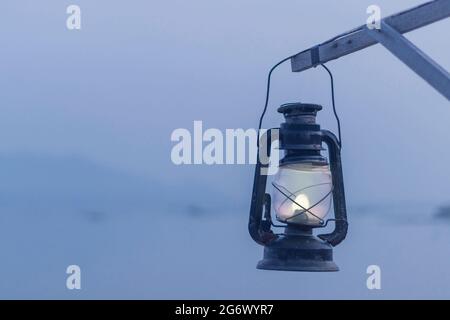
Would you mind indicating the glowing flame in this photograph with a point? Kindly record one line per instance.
(303, 203)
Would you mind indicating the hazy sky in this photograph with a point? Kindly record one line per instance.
(114, 91)
(85, 172)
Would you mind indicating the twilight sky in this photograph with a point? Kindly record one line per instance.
(113, 92)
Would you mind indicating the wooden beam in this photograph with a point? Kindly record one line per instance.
(360, 38)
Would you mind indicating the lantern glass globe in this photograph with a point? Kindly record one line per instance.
(302, 194)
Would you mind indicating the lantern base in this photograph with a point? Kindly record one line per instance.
(299, 251)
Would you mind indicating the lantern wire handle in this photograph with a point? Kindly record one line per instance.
(269, 77)
(334, 104)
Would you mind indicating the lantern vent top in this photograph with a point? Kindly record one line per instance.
(300, 112)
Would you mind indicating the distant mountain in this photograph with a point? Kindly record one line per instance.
(48, 181)
(44, 181)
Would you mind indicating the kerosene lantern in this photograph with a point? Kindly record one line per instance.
(304, 188)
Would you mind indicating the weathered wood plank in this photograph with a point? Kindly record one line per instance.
(360, 38)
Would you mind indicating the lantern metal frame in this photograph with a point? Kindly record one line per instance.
(297, 249)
